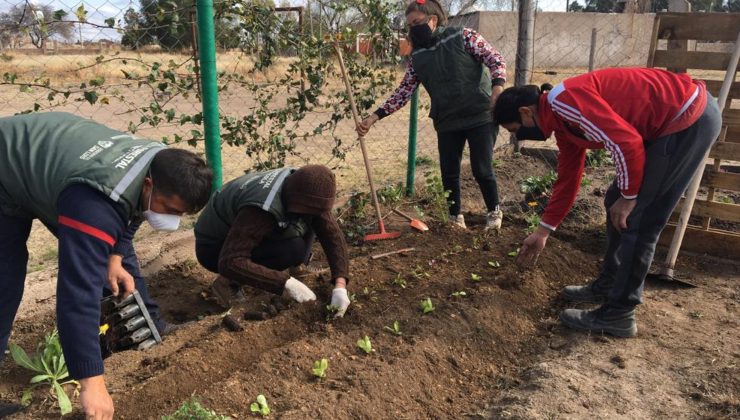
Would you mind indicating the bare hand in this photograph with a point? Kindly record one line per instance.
(532, 247)
(118, 275)
(620, 211)
(95, 400)
(364, 126)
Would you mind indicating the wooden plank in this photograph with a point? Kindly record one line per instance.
(713, 209)
(733, 134)
(725, 150)
(731, 117)
(713, 242)
(699, 26)
(703, 60)
(721, 180)
(653, 41)
(713, 86)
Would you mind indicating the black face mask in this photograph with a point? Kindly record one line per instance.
(421, 35)
(530, 133)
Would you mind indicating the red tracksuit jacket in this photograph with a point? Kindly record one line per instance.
(618, 109)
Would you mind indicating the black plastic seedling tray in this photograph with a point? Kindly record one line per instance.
(129, 326)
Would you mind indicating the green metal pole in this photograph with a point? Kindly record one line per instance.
(413, 126)
(207, 41)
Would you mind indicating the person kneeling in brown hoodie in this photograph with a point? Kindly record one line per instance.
(259, 228)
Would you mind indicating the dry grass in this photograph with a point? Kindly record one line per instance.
(71, 68)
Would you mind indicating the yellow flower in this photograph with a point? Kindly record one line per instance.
(104, 329)
(532, 204)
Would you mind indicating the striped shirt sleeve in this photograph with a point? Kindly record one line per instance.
(601, 124)
(484, 53)
(401, 96)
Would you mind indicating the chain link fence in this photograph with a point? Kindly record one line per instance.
(133, 66)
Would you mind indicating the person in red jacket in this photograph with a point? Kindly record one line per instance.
(657, 127)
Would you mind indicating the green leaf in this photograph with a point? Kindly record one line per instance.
(21, 358)
(91, 97)
(81, 13)
(110, 22)
(514, 253)
(38, 378)
(426, 306)
(65, 405)
(264, 409)
(319, 368)
(494, 264)
(27, 397)
(365, 344)
(254, 407)
(475, 277)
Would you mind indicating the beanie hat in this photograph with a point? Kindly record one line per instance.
(310, 190)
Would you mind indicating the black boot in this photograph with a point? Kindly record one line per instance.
(595, 291)
(604, 319)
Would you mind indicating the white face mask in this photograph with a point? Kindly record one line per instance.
(159, 221)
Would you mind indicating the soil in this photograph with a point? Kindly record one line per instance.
(496, 352)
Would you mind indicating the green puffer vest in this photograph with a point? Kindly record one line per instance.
(260, 189)
(42, 154)
(459, 86)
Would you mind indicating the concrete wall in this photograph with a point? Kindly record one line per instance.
(562, 40)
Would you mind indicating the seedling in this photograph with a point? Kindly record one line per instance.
(494, 264)
(426, 306)
(475, 277)
(365, 345)
(458, 294)
(50, 368)
(319, 368)
(260, 406)
(514, 253)
(192, 409)
(696, 314)
(419, 273)
(400, 281)
(533, 222)
(396, 329)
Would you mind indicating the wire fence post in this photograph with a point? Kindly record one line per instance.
(413, 129)
(592, 51)
(524, 50)
(207, 43)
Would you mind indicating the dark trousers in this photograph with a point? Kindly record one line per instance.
(671, 162)
(276, 255)
(481, 140)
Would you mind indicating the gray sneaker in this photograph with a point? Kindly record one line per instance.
(227, 293)
(604, 319)
(586, 293)
(458, 221)
(493, 219)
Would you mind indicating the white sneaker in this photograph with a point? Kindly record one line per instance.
(458, 221)
(493, 219)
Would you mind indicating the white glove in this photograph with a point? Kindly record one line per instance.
(340, 300)
(298, 291)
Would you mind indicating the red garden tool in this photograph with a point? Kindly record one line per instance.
(414, 223)
(382, 234)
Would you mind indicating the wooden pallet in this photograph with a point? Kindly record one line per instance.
(679, 29)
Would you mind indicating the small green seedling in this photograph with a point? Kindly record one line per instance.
(459, 294)
(396, 329)
(49, 367)
(260, 406)
(365, 345)
(696, 314)
(192, 409)
(426, 306)
(319, 368)
(475, 277)
(514, 253)
(494, 264)
(400, 281)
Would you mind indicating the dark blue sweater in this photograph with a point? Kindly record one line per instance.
(91, 227)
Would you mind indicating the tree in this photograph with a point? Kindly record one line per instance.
(133, 35)
(40, 23)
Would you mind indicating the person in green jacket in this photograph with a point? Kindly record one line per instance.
(92, 187)
(463, 75)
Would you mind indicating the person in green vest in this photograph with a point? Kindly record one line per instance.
(261, 226)
(463, 75)
(92, 187)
